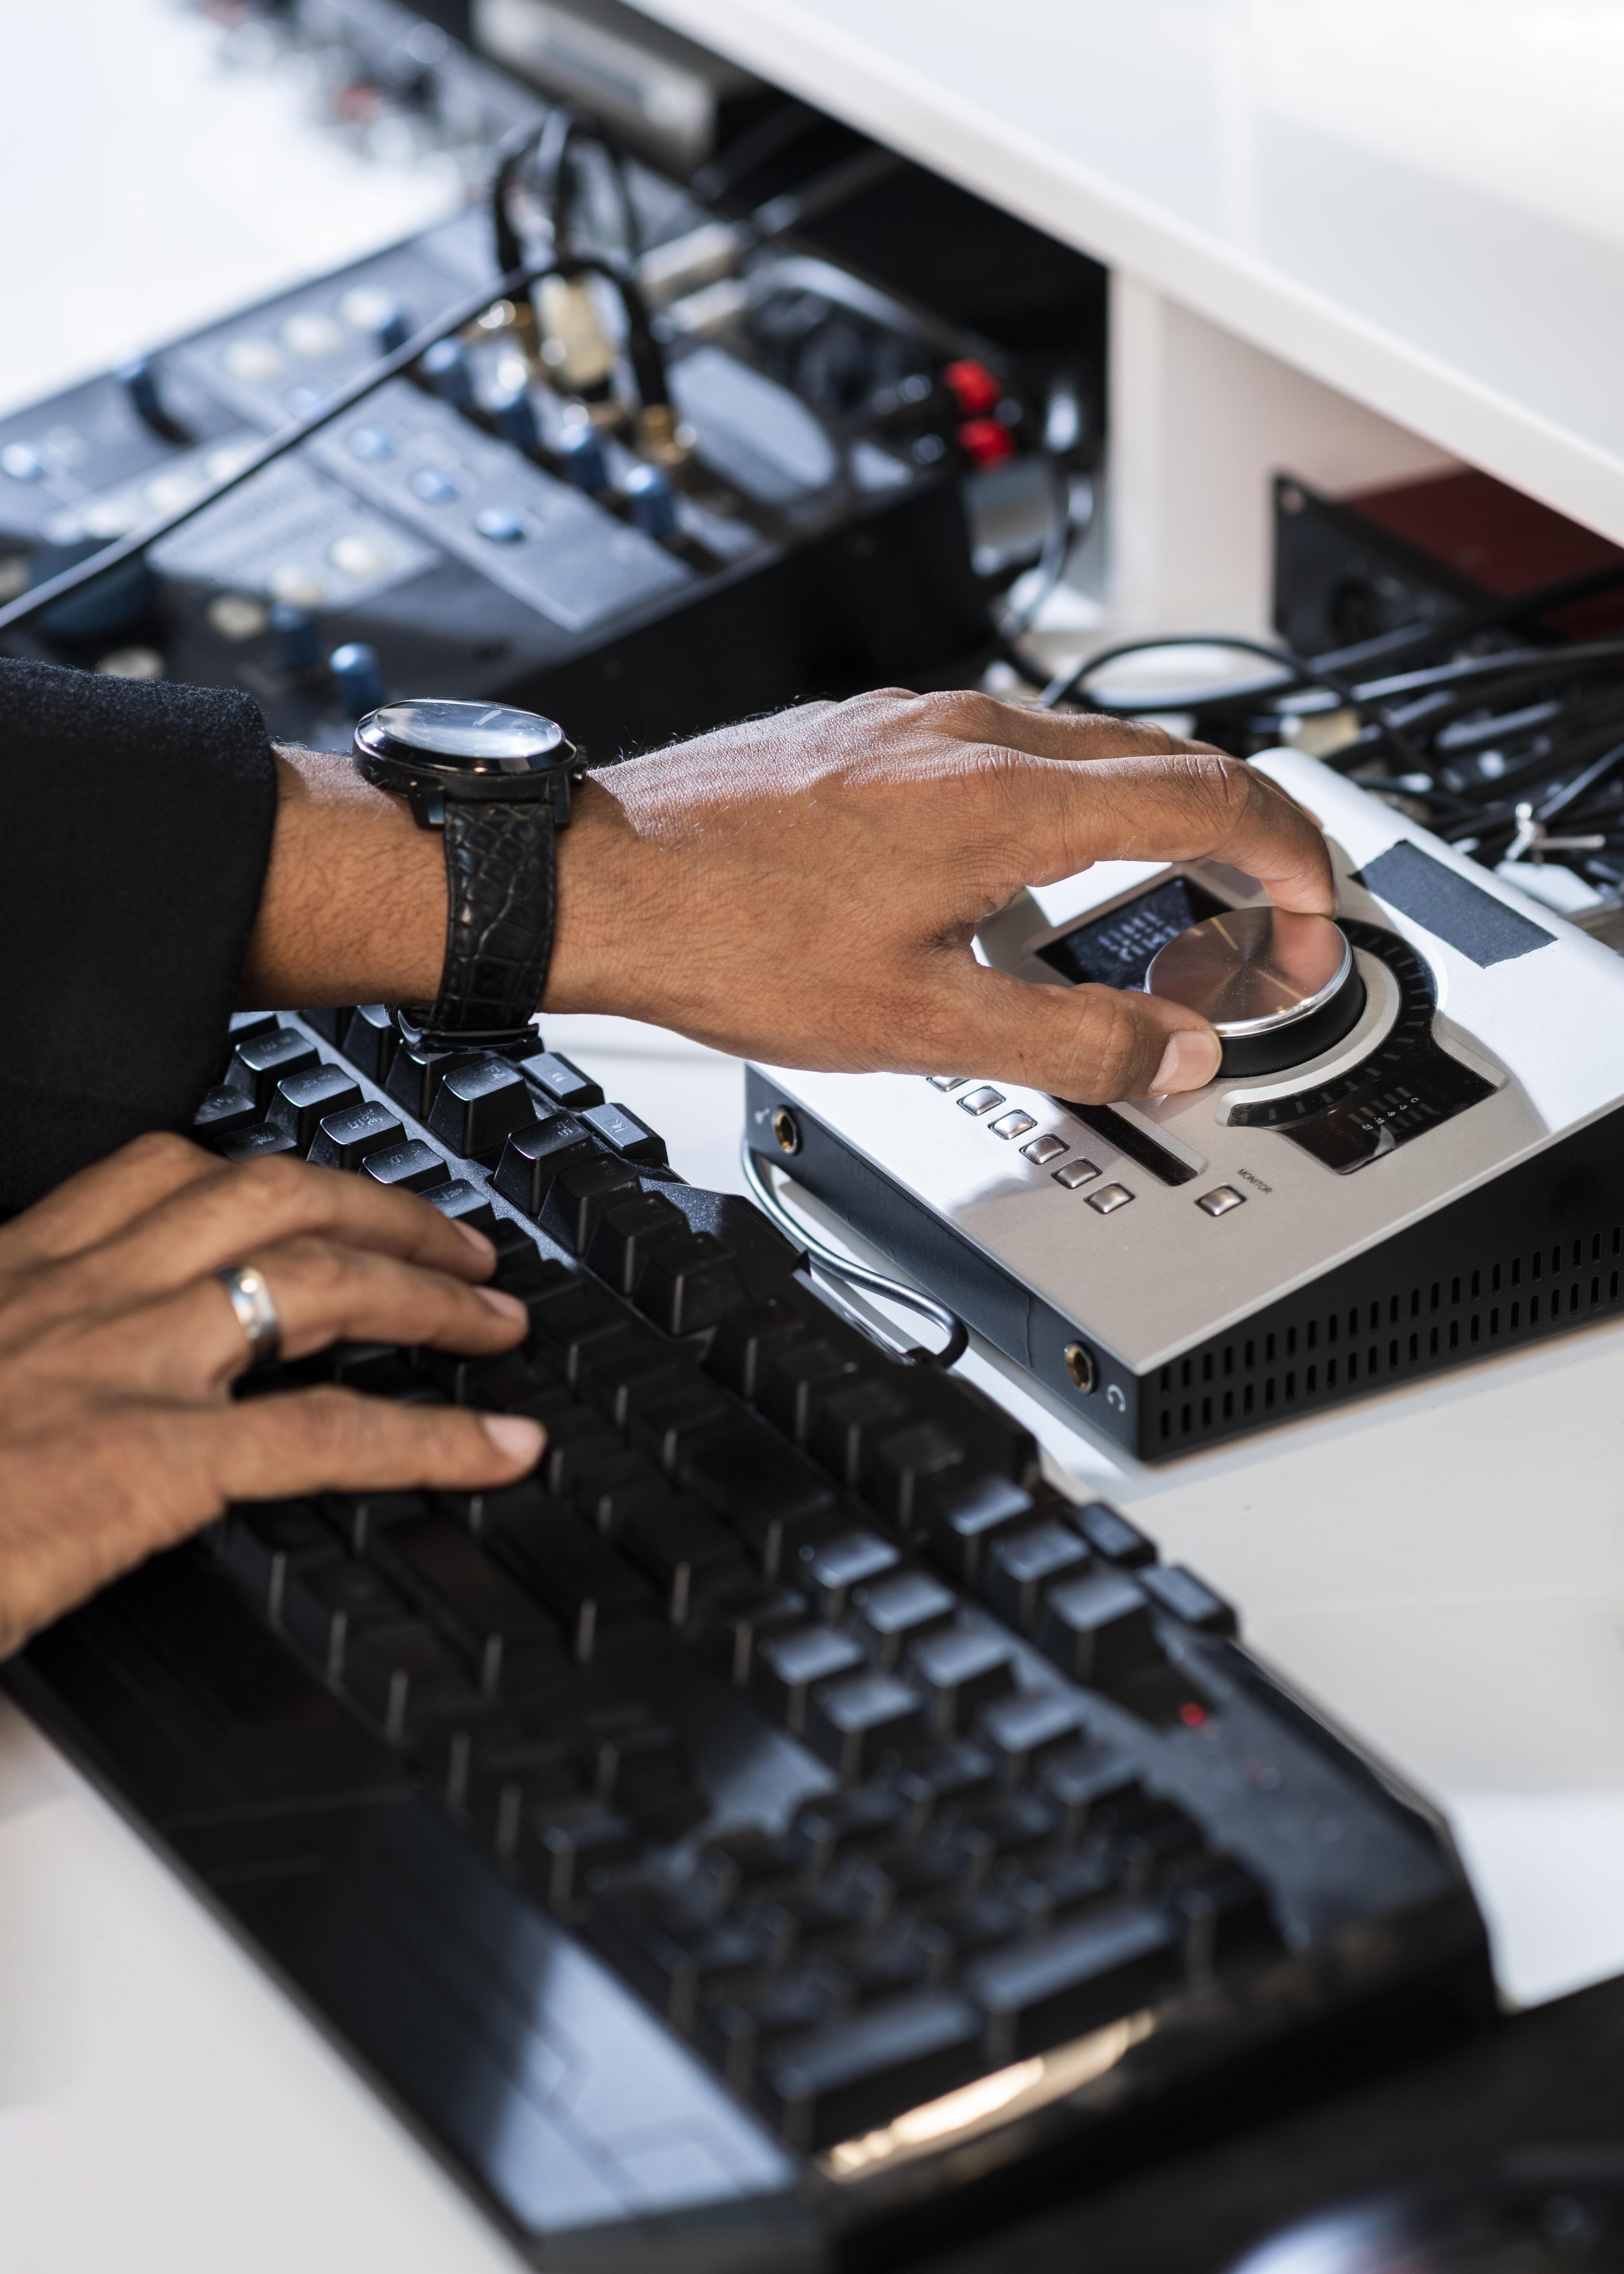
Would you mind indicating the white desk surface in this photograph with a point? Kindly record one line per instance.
(1417, 201)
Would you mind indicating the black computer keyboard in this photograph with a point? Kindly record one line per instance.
(783, 1810)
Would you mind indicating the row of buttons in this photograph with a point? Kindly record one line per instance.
(984, 1100)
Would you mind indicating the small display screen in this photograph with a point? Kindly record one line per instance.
(1116, 950)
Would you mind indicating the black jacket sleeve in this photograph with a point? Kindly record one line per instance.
(135, 828)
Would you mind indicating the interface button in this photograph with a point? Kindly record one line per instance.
(1075, 1173)
(981, 1101)
(1221, 1200)
(1109, 1197)
(1044, 1149)
(947, 1081)
(1013, 1124)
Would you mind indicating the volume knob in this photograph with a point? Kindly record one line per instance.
(1277, 988)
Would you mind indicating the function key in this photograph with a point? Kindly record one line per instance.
(478, 1107)
(1110, 1534)
(253, 1142)
(1108, 1198)
(465, 1202)
(632, 1140)
(415, 1076)
(1043, 1150)
(948, 1080)
(261, 1061)
(981, 1101)
(223, 1111)
(532, 1157)
(1075, 1173)
(1010, 1126)
(564, 1082)
(370, 1039)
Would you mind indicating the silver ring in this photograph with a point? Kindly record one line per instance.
(250, 1299)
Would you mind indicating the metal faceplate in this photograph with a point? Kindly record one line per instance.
(1525, 1003)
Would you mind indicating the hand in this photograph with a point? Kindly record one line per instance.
(118, 1348)
(805, 888)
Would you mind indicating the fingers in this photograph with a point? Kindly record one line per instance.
(336, 1440)
(221, 1218)
(1092, 1044)
(1192, 805)
(190, 1343)
(102, 1200)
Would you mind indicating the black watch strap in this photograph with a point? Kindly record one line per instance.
(502, 877)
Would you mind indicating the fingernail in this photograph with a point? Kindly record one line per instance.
(514, 1437)
(506, 1306)
(475, 1240)
(1190, 1060)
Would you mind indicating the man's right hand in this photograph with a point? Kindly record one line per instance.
(118, 1348)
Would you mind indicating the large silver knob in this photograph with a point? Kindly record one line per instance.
(1278, 989)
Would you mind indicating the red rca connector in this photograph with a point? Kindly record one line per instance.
(974, 388)
(986, 441)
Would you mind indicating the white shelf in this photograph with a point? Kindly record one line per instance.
(1415, 202)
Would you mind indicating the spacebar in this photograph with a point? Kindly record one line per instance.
(860, 2071)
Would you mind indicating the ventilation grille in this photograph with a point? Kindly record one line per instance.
(1313, 1359)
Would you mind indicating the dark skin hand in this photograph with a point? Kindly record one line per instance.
(803, 888)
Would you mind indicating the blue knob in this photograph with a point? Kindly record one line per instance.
(515, 420)
(295, 632)
(582, 460)
(140, 382)
(357, 678)
(444, 367)
(393, 331)
(653, 507)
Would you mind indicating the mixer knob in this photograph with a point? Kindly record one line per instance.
(294, 630)
(357, 678)
(139, 381)
(515, 419)
(444, 367)
(580, 459)
(1277, 988)
(653, 507)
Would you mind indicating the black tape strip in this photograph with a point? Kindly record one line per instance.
(1454, 909)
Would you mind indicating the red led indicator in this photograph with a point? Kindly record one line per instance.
(975, 387)
(985, 442)
(1192, 1714)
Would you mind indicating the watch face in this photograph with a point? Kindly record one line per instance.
(478, 740)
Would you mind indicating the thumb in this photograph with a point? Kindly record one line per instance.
(1093, 1045)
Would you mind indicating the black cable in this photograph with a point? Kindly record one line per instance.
(643, 350)
(277, 446)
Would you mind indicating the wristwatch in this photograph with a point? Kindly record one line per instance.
(496, 783)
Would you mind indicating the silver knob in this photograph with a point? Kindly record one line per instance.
(1276, 988)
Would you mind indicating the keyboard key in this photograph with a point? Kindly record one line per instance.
(496, 1627)
(959, 1673)
(265, 1543)
(577, 1438)
(966, 1516)
(856, 1723)
(1020, 1563)
(358, 1517)
(1110, 1534)
(1040, 1993)
(370, 1040)
(404, 1676)
(675, 1953)
(466, 1202)
(1172, 1588)
(1020, 1730)
(828, 1570)
(844, 1423)
(1224, 1913)
(1097, 1630)
(901, 1462)
(343, 1141)
(412, 1167)
(888, 1613)
(477, 1106)
(746, 1341)
(1091, 1788)
(328, 1021)
(578, 1198)
(253, 1142)
(302, 1100)
(809, 1994)
(626, 1232)
(223, 1110)
(690, 1283)
(1056, 1888)
(533, 1157)
(792, 1377)
(261, 1060)
(682, 1551)
(612, 1486)
(324, 1603)
(747, 1865)
(415, 1076)
(592, 1592)
(1153, 1836)
(631, 1138)
(759, 1487)
(788, 1666)
(563, 1842)
(741, 1617)
(860, 2071)
(837, 1825)
(492, 1772)
(565, 1084)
